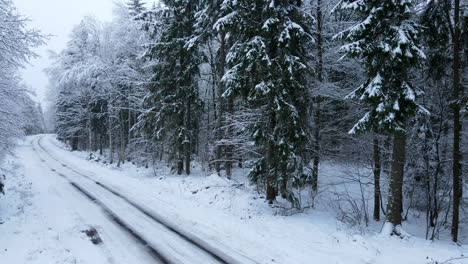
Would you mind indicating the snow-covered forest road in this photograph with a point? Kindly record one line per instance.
(55, 196)
(233, 131)
(122, 221)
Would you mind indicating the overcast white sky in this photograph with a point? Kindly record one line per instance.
(56, 17)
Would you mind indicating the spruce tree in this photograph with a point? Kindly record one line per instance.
(386, 42)
(136, 7)
(268, 68)
(173, 99)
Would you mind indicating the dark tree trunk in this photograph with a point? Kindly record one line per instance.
(180, 164)
(218, 134)
(457, 124)
(271, 191)
(316, 162)
(122, 140)
(111, 141)
(95, 141)
(395, 199)
(377, 173)
(221, 63)
(188, 139)
(74, 144)
(317, 114)
(229, 147)
(100, 144)
(272, 177)
(90, 135)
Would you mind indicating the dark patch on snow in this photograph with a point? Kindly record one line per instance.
(2, 186)
(93, 235)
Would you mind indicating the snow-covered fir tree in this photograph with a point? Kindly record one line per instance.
(386, 41)
(136, 7)
(173, 99)
(268, 68)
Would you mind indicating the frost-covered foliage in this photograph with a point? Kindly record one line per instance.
(19, 115)
(387, 42)
(98, 83)
(72, 75)
(16, 43)
(16, 38)
(259, 84)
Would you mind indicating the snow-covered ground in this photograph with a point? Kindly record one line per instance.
(43, 218)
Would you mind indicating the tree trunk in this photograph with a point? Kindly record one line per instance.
(229, 147)
(95, 141)
(315, 170)
(221, 65)
(271, 178)
(317, 114)
(111, 141)
(129, 131)
(180, 163)
(90, 135)
(100, 144)
(122, 140)
(377, 173)
(387, 154)
(122, 146)
(218, 133)
(395, 198)
(74, 144)
(188, 139)
(457, 124)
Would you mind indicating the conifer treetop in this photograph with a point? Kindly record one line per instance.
(386, 40)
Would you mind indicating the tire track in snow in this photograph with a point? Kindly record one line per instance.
(158, 257)
(219, 256)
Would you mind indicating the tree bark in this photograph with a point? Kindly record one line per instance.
(229, 147)
(74, 144)
(122, 140)
(100, 144)
(457, 124)
(129, 130)
(111, 141)
(220, 105)
(377, 173)
(180, 163)
(395, 198)
(95, 141)
(317, 114)
(188, 139)
(90, 135)
(271, 178)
